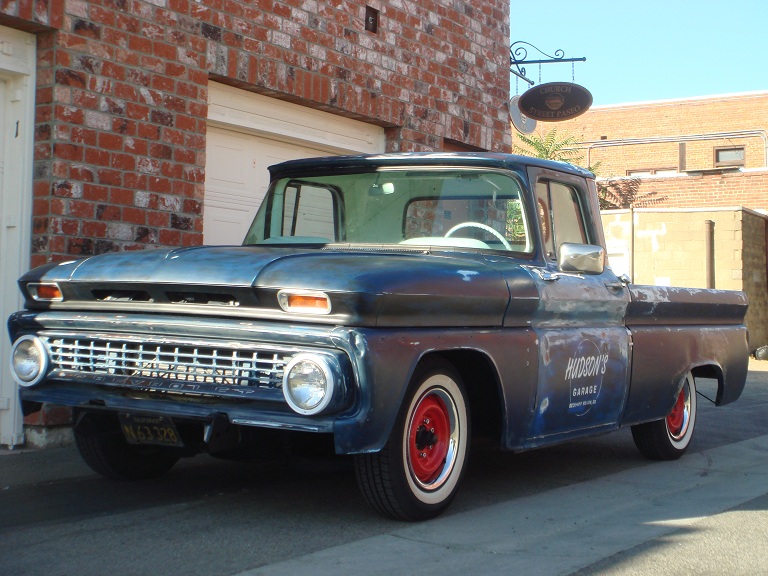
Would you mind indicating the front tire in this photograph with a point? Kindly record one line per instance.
(417, 473)
(102, 445)
(669, 438)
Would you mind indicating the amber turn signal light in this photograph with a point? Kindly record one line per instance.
(304, 301)
(45, 292)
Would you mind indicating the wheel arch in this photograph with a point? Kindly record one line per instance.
(714, 372)
(483, 388)
(418, 471)
(662, 356)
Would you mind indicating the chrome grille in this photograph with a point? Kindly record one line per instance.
(198, 363)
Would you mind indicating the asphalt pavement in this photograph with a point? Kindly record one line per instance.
(706, 513)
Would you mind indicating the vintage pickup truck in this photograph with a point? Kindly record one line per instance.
(393, 305)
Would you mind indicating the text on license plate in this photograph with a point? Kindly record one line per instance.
(145, 429)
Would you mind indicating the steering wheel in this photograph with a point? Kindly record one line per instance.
(482, 227)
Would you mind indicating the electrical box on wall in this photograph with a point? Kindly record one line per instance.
(371, 19)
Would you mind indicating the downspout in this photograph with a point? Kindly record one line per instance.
(709, 252)
(632, 242)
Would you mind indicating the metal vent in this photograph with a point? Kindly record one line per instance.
(210, 298)
(389, 248)
(122, 295)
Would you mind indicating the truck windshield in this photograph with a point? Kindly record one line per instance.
(467, 208)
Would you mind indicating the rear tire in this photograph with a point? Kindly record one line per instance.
(105, 450)
(417, 473)
(669, 438)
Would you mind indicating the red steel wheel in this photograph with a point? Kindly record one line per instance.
(431, 439)
(678, 418)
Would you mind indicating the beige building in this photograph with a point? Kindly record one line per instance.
(698, 248)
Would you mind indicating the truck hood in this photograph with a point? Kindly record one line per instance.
(382, 287)
(211, 265)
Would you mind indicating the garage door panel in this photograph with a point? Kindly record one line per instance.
(229, 173)
(228, 166)
(237, 178)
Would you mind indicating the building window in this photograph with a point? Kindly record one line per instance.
(644, 173)
(731, 156)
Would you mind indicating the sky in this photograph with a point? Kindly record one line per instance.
(645, 50)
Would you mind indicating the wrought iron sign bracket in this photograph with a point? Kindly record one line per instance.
(518, 55)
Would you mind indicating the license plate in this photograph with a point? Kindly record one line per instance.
(144, 429)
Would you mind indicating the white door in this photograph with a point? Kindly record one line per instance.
(17, 82)
(7, 207)
(246, 134)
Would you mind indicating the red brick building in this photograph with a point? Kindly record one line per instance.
(132, 124)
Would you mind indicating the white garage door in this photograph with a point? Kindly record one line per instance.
(246, 134)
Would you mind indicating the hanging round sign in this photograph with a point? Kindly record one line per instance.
(555, 101)
(520, 121)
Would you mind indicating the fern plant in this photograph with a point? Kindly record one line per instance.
(551, 146)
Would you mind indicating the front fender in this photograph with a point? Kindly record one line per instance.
(384, 362)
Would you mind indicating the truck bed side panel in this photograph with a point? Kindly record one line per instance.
(675, 330)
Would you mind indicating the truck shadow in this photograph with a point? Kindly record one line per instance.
(308, 486)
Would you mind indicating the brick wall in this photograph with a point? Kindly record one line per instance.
(729, 189)
(670, 249)
(727, 113)
(620, 160)
(755, 274)
(122, 96)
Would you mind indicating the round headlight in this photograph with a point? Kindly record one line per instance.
(29, 360)
(308, 383)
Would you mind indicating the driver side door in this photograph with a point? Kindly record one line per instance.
(584, 348)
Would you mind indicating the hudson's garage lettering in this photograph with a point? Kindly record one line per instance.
(584, 372)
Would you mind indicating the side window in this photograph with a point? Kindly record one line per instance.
(561, 216)
(308, 211)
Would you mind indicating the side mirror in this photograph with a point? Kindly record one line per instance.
(581, 258)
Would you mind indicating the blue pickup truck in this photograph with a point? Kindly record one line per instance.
(393, 305)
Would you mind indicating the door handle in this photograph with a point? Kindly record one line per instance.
(623, 281)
